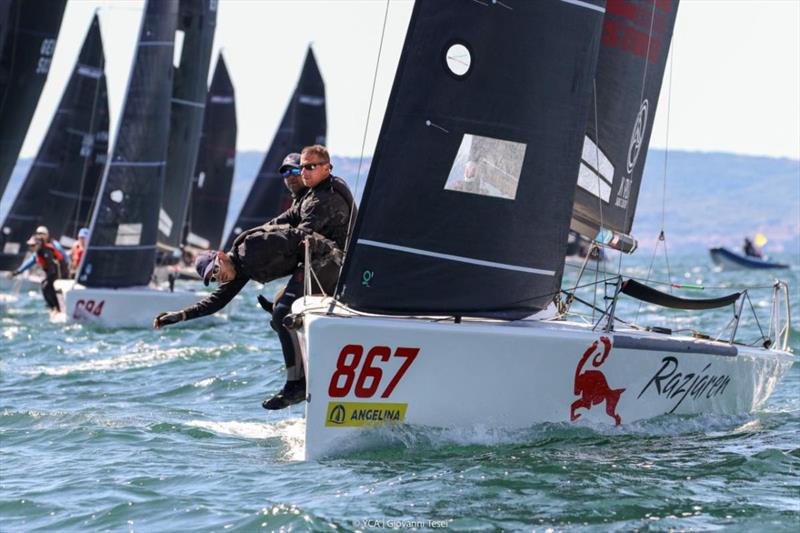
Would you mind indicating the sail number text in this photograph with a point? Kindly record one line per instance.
(367, 377)
(84, 307)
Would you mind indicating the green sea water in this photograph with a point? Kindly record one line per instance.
(144, 430)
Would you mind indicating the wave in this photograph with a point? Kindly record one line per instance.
(124, 362)
(291, 432)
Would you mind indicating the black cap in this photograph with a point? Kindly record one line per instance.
(290, 161)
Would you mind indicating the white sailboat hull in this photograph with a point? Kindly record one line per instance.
(130, 307)
(512, 375)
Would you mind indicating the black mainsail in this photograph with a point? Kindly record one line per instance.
(467, 206)
(303, 124)
(27, 42)
(197, 20)
(122, 245)
(630, 68)
(216, 160)
(63, 178)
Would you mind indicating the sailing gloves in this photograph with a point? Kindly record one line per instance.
(165, 319)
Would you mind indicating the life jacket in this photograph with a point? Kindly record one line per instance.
(59, 261)
(76, 254)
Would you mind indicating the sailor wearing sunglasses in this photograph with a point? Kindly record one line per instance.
(321, 213)
(323, 207)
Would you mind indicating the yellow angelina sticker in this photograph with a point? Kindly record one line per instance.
(352, 414)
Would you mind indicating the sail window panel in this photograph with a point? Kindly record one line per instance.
(592, 183)
(458, 59)
(11, 248)
(128, 235)
(487, 166)
(178, 50)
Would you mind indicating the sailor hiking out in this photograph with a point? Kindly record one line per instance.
(320, 215)
(52, 259)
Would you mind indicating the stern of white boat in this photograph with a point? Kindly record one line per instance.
(134, 307)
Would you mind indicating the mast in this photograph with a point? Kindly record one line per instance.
(63, 178)
(122, 244)
(633, 56)
(28, 39)
(303, 124)
(216, 161)
(197, 21)
(467, 205)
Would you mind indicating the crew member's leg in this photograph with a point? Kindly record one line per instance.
(49, 292)
(294, 391)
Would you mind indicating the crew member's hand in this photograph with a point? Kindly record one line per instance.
(11, 274)
(165, 319)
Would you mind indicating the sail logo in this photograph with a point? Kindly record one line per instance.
(592, 386)
(358, 414)
(637, 136)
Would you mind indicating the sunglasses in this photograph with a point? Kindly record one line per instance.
(215, 270)
(290, 172)
(312, 166)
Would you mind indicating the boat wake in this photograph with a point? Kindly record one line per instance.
(128, 361)
(290, 432)
(419, 438)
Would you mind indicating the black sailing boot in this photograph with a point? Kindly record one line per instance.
(293, 392)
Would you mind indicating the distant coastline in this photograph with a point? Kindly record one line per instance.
(712, 198)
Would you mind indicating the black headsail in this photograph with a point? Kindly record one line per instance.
(63, 178)
(197, 20)
(468, 200)
(29, 33)
(122, 244)
(216, 160)
(303, 124)
(630, 68)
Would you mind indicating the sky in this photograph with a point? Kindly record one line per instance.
(732, 83)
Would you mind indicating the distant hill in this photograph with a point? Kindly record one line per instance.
(711, 198)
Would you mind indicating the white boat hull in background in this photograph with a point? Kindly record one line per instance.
(129, 307)
(364, 371)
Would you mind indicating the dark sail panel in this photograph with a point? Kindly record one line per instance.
(303, 124)
(215, 164)
(122, 244)
(64, 175)
(630, 68)
(469, 195)
(29, 34)
(197, 19)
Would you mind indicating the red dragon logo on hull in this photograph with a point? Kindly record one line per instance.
(591, 385)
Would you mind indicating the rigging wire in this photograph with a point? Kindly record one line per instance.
(364, 139)
(662, 236)
(641, 100)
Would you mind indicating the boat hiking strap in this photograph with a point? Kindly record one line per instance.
(650, 295)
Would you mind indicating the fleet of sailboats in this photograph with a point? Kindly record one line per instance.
(60, 187)
(452, 281)
(303, 124)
